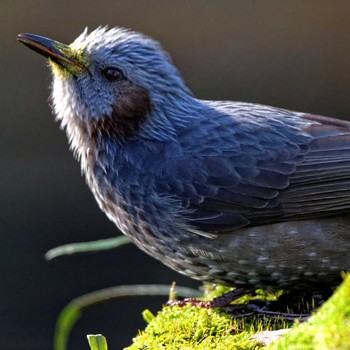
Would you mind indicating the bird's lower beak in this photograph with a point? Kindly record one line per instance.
(59, 53)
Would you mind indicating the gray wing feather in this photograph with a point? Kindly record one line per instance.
(321, 183)
(282, 172)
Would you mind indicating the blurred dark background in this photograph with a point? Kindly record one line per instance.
(292, 54)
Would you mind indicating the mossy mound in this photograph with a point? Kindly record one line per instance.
(191, 327)
(327, 329)
(205, 329)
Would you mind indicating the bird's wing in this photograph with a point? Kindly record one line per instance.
(274, 174)
(321, 183)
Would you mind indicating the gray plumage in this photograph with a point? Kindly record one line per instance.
(226, 192)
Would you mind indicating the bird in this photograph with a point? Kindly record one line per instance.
(232, 193)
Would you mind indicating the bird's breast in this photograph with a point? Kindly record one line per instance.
(128, 200)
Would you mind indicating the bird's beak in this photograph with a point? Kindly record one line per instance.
(57, 52)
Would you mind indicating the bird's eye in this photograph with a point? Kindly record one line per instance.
(112, 73)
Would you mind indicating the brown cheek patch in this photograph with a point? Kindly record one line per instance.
(131, 110)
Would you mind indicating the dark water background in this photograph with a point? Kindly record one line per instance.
(292, 54)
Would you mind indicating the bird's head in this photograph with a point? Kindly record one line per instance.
(110, 81)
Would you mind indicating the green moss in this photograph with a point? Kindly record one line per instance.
(193, 328)
(198, 328)
(328, 329)
(212, 291)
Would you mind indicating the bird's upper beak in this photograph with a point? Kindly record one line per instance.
(63, 55)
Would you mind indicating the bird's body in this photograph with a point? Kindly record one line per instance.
(234, 193)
